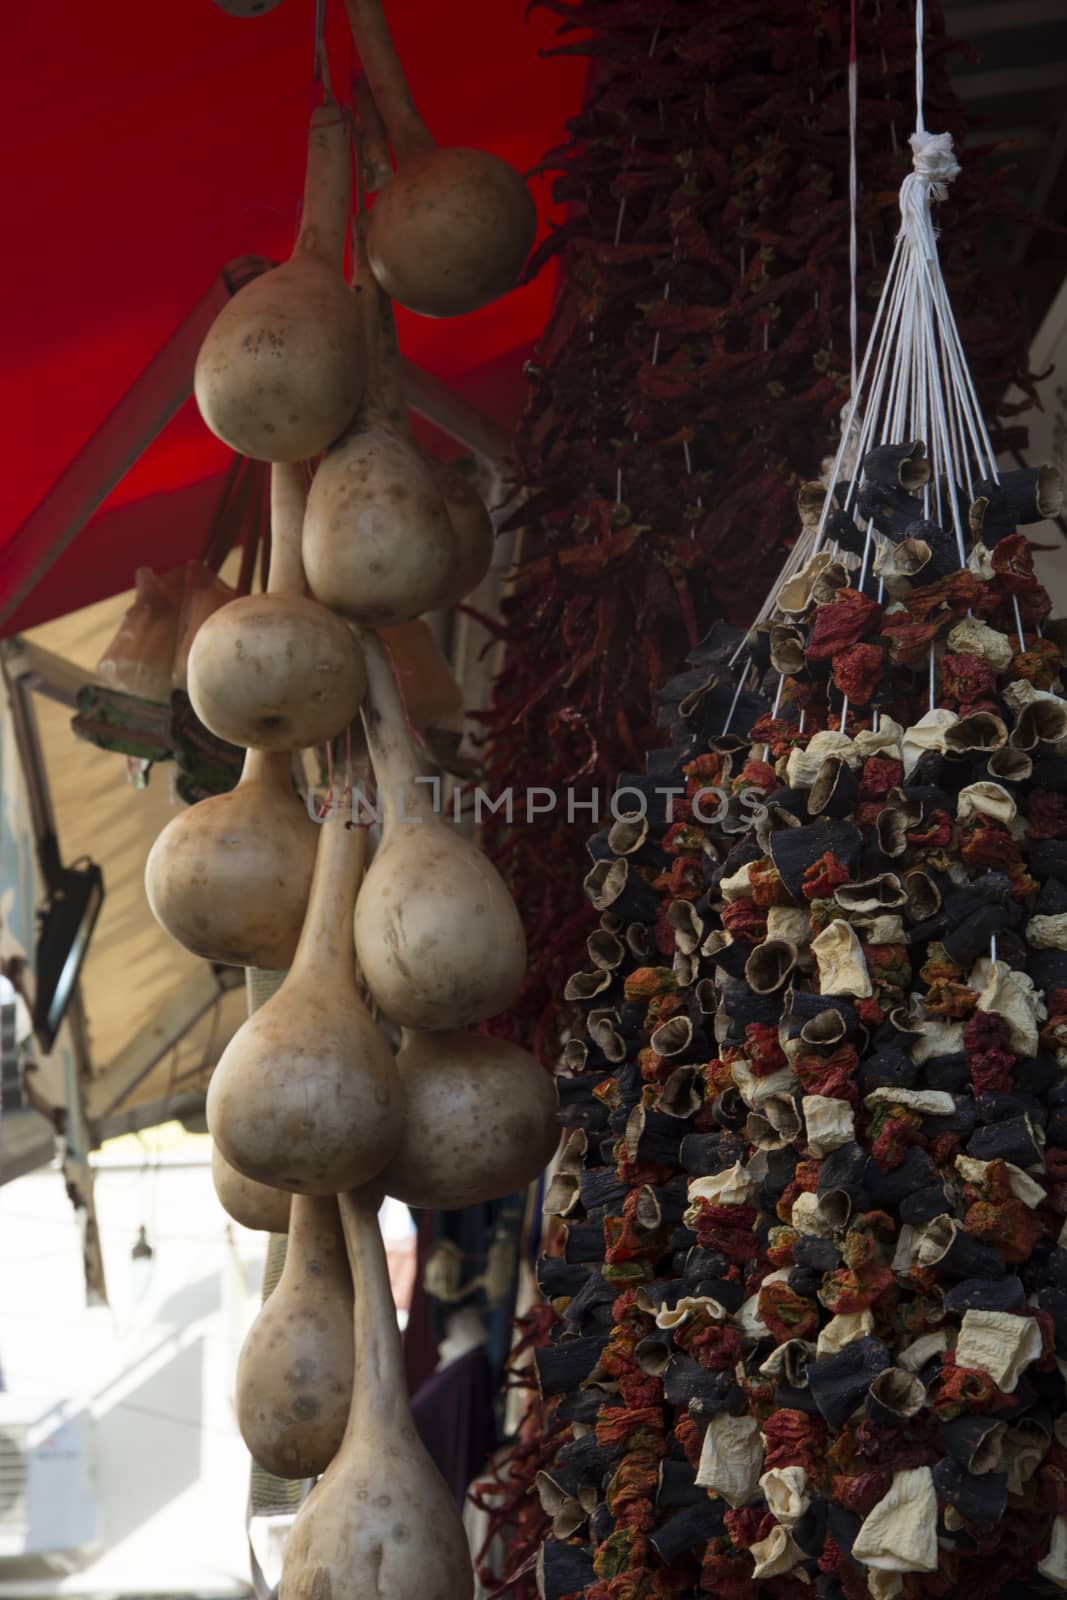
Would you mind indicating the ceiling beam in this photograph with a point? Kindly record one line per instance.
(437, 403)
(1000, 81)
(1001, 16)
(46, 673)
(114, 1083)
(175, 1108)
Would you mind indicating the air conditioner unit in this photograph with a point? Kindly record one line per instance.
(47, 1503)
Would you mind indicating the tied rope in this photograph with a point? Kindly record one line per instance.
(930, 394)
(914, 382)
(934, 167)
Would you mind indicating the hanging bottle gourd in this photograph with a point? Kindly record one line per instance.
(282, 370)
(451, 230)
(253, 1205)
(381, 1521)
(379, 546)
(229, 877)
(294, 1378)
(277, 671)
(438, 937)
(306, 1095)
(481, 1119)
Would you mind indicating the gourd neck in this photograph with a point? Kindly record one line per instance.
(326, 951)
(380, 1394)
(392, 752)
(314, 1235)
(288, 498)
(327, 188)
(407, 132)
(272, 768)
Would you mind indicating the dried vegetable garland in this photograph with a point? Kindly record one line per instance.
(812, 1301)
(811, 1307)
(694, 359)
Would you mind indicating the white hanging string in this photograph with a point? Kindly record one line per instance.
(914, 383)
(920, 65)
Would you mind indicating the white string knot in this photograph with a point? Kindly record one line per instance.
(934, 161)
(934, 167)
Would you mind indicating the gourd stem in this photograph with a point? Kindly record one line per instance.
(407, 132)
(380, 1387)
(288, 498)
(385, 722)
(326, 948)
(327, 188)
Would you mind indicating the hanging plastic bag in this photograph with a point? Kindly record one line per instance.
(140, 657)
(203, 593)
(431, 693)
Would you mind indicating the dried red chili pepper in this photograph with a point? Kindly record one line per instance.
(831, 1075)
(726, 1228)
(1012, 560)
(1039, 664)
(787, 1314)
(843, 622)
(878, 775)
(764, 1052)
(909, 641)
(795, 1439)
(823, 877)
(747, 1527)
(745, 920)
(965, 679)
(858, 671)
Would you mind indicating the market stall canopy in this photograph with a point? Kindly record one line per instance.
(149, 146)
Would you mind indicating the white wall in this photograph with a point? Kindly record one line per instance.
(153, 1372)
(1048, 441)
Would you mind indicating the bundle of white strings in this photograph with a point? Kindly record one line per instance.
(914, 382)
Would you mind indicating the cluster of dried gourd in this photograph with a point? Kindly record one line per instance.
(313, 1118)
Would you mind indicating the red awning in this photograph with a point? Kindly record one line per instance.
(147, 145)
